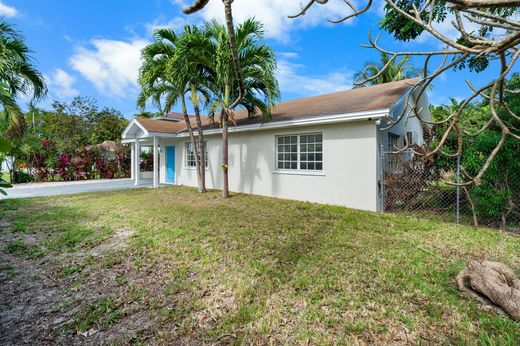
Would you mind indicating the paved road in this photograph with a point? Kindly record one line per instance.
(65, 188)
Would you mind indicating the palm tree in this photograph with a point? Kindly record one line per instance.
(160, 81)
(386, 70)
(19, 74)
(192, 48)
(258, 67)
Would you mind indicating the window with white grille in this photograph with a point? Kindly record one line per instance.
(190, 155)
(300, 152)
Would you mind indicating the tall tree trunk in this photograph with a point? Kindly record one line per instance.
(225, 161)
(192, 137)
(202, 166)
(234, 54)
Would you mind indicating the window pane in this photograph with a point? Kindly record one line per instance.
(287, 165)
(303, 165)
(319, 138)
(310, 165)
(319, 157)
(294, 165)
(294, 139)
(280, 165)
(319, 166)
(280, 156)
(303, 157)
(280, 140)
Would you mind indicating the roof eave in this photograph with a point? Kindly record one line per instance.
(322, 120)
(325, 119)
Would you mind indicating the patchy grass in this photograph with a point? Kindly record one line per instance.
(255, 270)
(104, 313)
(20, 248)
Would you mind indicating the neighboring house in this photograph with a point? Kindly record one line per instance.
(323, 149)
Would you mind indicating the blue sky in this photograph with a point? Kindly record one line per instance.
(91, 47)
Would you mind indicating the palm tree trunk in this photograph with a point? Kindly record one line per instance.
(192, 137)
(202, 166)
(225, 160)
(234, 54)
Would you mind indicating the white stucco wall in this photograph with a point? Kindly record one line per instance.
(349, 175)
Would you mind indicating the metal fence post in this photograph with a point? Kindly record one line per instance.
(458, 189)
(382, 171)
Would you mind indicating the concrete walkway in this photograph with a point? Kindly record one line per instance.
(71, 187)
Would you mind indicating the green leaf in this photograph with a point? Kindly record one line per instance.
(5, 145)
(3, 192)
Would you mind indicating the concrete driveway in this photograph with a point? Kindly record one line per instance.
(71, 187)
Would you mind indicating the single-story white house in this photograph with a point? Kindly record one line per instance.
(323, 149)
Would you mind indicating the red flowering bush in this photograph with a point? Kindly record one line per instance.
(63, 166)
(77, 165)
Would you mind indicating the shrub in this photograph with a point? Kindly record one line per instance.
(146, 161)
(20, 177)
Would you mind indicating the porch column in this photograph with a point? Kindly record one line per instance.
(155, 162)
(137, 161)
(132, 159)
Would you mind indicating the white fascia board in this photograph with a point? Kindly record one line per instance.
(326, 119)
(130, 125)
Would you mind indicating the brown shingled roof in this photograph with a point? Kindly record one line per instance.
(370, 98)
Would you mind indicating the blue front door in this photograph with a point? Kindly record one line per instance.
(170, 164)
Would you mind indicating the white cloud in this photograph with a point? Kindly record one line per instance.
(7, 11)
(60, 83)
(111, 65)
(292, 80)
(447, 29)
(273, 14)
(288, 55)
(176, 24)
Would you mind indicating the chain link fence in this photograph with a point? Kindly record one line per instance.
(420, 186)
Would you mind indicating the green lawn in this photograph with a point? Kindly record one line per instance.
(6, 176)
(163, 265)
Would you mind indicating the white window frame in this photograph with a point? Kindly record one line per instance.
(187, 145)
(298, 170)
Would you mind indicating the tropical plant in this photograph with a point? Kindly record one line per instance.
(19, 74)
(497, 197)
(192, 51)
(4, 147)
(387, 69)
(161, 80)
(258, 66)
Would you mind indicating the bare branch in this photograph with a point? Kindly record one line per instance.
(484, 3)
